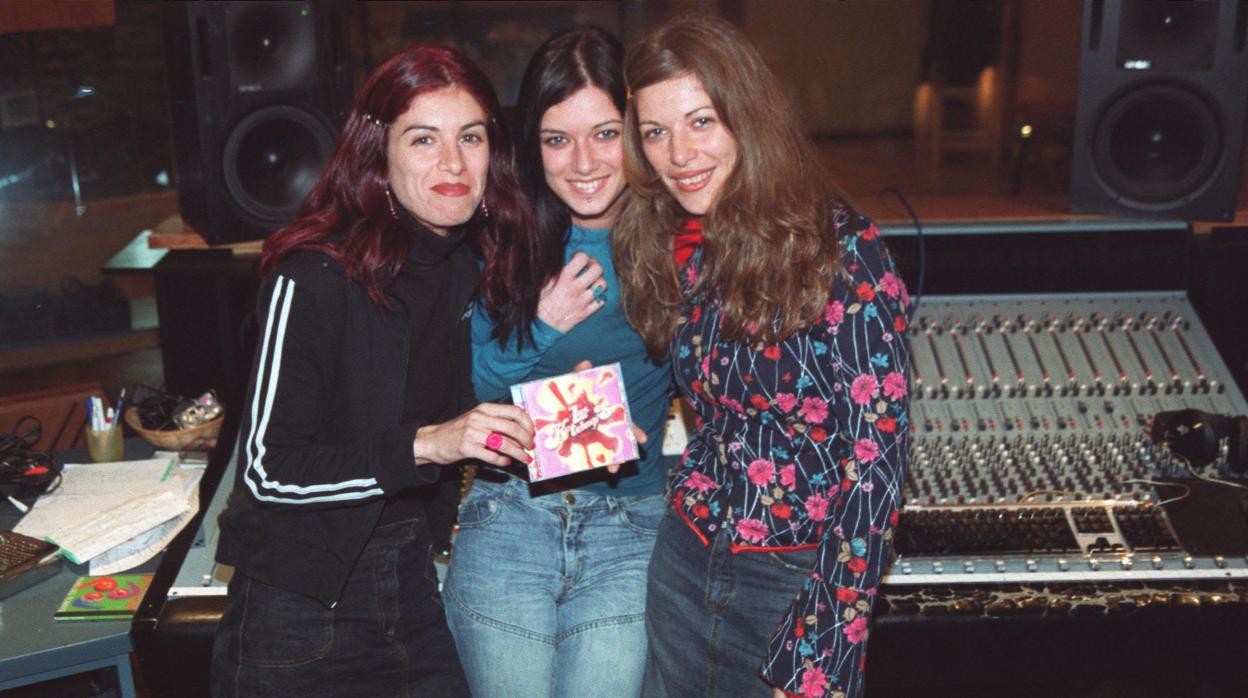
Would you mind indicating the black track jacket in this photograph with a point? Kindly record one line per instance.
(321, 442)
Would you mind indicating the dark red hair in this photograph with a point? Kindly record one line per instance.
(347, 216)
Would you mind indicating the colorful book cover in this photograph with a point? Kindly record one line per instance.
(582, 421)
(104, 598)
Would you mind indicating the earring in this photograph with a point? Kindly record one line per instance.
(485, 210)
(390, 202)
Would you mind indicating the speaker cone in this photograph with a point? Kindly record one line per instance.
(272, 159)
(1157, 146)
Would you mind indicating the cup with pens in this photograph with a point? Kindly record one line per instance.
(105, 441)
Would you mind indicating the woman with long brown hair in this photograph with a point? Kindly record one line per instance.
(361, 395)
(783, 318)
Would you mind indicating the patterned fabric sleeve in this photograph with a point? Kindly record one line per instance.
(820, 647)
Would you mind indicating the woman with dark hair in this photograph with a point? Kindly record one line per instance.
(361, 394)
(784, 319)
(546, 590)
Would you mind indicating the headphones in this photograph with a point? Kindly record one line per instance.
(1202, 438)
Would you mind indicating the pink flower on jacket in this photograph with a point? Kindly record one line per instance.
(891, 285)
(706, 366)
(788, 475)
(814, 410)
(701, 482)
(834, 313)
(817, 507)
(761, 472)
(731, 404)
(863, 388)
(786, 401)
(866, 450)
(856, 630)
(894, 386)
(752, 530)
(813, 682)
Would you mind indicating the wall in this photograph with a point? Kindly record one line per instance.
(848, 67)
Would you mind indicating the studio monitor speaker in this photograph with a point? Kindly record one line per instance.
(258, 91)
(1159, 126)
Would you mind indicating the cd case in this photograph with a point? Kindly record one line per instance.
(581, 420)
(110, 597)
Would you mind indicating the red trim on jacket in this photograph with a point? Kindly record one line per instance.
(770, 549)
(680, 511)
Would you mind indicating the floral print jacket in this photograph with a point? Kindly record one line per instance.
(802, 444)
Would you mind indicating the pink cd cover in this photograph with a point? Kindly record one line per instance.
(582, 421)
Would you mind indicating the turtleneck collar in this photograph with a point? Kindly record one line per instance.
(428, 248)
(586, 233)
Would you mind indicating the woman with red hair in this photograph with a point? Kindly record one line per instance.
(361, 393)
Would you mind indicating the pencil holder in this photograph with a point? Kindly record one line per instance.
(105, 445)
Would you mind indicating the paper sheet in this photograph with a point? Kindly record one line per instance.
(123, 513)
(146, 545)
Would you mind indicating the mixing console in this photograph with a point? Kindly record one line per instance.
(1029, 458)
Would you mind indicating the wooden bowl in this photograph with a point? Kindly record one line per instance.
(202, 436)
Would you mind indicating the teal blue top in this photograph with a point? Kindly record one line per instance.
(603, 338)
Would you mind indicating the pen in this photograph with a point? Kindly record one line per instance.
(121, 401)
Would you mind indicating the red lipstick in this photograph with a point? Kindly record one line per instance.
(451, 189)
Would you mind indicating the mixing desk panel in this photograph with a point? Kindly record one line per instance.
(1029, 459)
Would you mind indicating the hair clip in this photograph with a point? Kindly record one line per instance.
(628, 93)
(374, 120)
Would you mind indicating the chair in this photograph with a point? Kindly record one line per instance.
(60, 410)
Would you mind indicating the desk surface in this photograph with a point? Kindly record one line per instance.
(31, 641)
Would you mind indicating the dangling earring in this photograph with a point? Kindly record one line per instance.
(390, 202)
(485, 210)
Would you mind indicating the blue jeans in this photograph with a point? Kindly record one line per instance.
(710, 614)
(386, 636)
(546, 595)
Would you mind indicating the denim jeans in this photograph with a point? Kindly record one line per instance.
(386, 636)
(546, 595)
(710, 614)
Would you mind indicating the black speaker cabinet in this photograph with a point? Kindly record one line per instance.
(1160, 122)
(258, 92)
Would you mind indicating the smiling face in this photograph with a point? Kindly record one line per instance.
(583, 155)
(686, 141)
(438, 156)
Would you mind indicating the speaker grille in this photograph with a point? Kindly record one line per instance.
(1167, 35)
(272, 159)
(271, 45)
(1156, 146)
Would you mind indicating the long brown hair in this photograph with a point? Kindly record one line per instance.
(769, 250)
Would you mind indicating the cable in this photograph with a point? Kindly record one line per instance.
(918, 233)
(1145, 481)
(24, 471)
(1217, 481)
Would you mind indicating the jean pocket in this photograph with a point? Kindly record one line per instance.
(480, 508)
(644, 514)
(796, 561)
(284, 629)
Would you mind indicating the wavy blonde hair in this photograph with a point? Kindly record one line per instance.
(769, 250)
